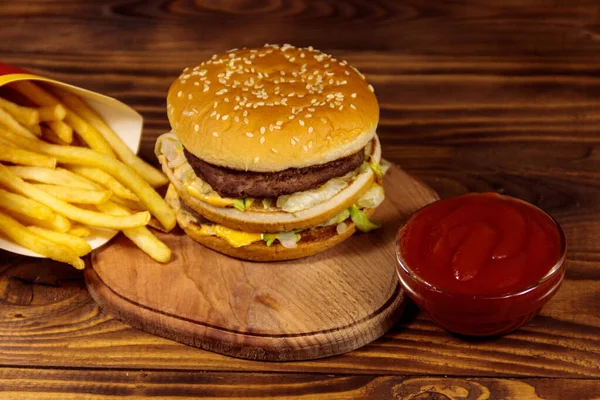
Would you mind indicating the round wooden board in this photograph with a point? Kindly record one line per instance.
(319, 306)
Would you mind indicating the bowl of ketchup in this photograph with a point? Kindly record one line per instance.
(481, 264)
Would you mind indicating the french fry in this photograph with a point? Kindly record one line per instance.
(89, 134)
(152, 175)
(58, 223)
(13, 182)
(141, 236)
(125, 174)
(58, 176)
(75, 243)
(24, 237)
(62, 130)
(8, 143)
(104, 179)
(36, 129)
(23, 115)
(20, 204)
(9, 122)
(80, 230)
(76, 195)
(129, 204)
(51, 136)
(155, 224)
(52, 113)
(24, 157)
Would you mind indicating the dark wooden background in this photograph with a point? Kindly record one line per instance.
(475, 95)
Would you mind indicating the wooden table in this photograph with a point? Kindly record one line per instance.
(475, 95)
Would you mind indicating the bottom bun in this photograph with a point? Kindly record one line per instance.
(314, 240)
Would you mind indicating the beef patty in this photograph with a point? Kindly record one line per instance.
(232, 183)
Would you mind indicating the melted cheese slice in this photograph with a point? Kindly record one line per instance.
(233, 237)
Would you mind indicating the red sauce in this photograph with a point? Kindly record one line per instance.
(480, 244)
(481, 264)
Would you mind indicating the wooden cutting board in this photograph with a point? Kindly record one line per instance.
(319, 306)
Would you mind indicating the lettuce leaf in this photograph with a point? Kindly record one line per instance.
(372, 198)
(239, 204)
(376, 167)
(361, 220)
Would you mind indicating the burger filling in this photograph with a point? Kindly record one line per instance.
(240, 184)
(291, 190)
(356, 214)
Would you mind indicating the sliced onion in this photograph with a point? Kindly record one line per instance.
(287, 239)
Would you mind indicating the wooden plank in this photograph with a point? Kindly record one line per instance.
(25, 384)
(326, 304)
(48, 319)
(533, 27)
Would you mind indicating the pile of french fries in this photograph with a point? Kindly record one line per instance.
(63, 170)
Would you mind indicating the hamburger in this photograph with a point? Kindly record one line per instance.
(273, 153)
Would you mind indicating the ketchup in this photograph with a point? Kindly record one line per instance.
(481, 263)
(480, 244)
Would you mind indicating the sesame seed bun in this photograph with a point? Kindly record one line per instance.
(272, 108)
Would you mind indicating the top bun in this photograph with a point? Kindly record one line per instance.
(272, 108)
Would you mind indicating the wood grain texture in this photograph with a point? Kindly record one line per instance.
(475, 95)
(49, 320)
(26, 384)
(327, 304)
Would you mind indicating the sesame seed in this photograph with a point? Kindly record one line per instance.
(301, 122)
(256, 160)
(213, 113)
(308, 116)
(179, 93)
(246, 121)
(310, 144)
(271, 127)
(225, 117)
(196, 127)
(304, 148)
(262, 130)
(295, 138)
(249, 134)
(353, 95)
(279, 123)
(353, 106)
(262, 139)
(290, 117)
(215, 134)
(341, 107)
(226, 99)
(273, 149)
(196, 83)
(292, 141)
(371, 88)
(310, 129)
